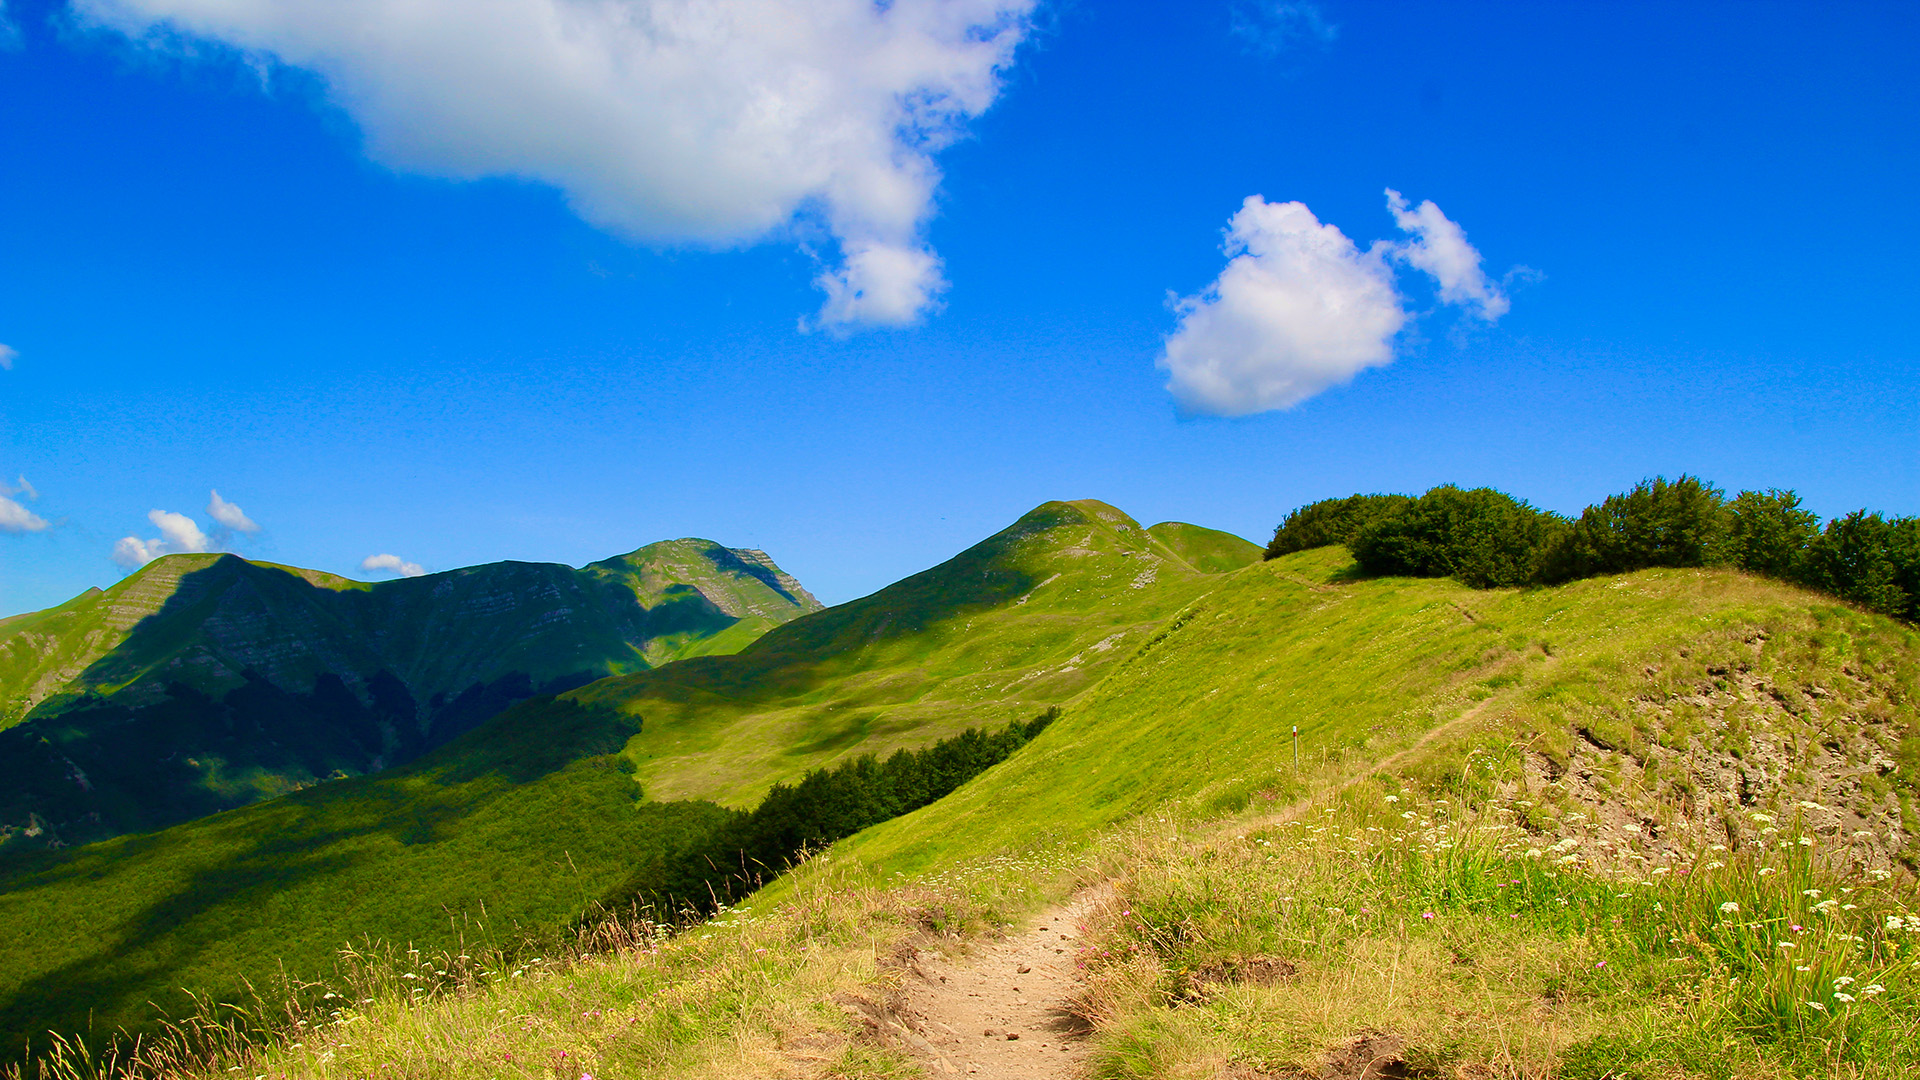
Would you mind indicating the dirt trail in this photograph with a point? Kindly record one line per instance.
(1001, 1010)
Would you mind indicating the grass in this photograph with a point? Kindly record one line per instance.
(526, 825)
(1484, 949)
(1421, 690)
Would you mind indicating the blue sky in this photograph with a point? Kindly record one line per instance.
(383, 306)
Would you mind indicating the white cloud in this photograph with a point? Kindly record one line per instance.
(1298, 309)
(9, 39)
(880, 283)
(15, 518)
(178, 533)
(1439, 247)
(229, 515)
(391, 564)
(8, 354)
(706, 121)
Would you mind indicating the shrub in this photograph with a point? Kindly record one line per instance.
(1870, 561)
(1484, 537)
(1331, 521)
(1658, 523)
(1767, 532)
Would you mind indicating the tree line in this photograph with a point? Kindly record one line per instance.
(745, 848)
(1487, 538)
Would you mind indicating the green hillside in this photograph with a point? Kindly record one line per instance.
(1623, 725)
(1519, 834)
(1026, 619)
(204, 682)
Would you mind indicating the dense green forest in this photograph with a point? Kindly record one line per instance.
(1487, 538)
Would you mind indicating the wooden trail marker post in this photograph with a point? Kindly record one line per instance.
(1296, 747)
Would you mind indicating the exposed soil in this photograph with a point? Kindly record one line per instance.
(1002, 1009)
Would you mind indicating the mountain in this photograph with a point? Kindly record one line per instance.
(1644, 750)
(204, 682)
(532, 819)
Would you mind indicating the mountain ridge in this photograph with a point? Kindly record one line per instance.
(205, 681)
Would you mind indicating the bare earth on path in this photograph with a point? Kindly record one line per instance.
(1001, 1010)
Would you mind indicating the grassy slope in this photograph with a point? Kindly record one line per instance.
(1368, 668)
(1208, 550)
(524, 831)
(1025, 619)
(1398, 686)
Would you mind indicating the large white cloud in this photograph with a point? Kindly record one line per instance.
(1300, 308)
(178, 533)
(710, 121)
(392, 564)
(229, 515)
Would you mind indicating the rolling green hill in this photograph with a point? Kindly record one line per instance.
(537, 815)
(1638, 718)
(204, 682)
(1544, 832)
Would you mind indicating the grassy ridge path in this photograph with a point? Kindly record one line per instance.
(1003, 1010)
(1006, 1008)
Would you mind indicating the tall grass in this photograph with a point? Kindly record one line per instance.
(1619, 965)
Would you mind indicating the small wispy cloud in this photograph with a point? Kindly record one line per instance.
(8, 354)
(14, 517)
(391, 564)
(1300, 308)
(229, 515)
(1439, 247)
(178, 533)
(1272, 27)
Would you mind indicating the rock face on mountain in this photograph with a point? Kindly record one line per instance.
(203, 682)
